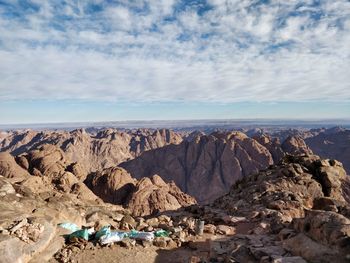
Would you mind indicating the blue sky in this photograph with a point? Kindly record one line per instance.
(99, 60)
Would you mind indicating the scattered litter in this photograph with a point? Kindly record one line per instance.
(69, 226)
(80, 234)
(161, 233)
(112, 237)
(106, 236)
(91, 231)
(102, 232)
(148, 236)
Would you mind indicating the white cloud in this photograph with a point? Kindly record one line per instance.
(234, 52)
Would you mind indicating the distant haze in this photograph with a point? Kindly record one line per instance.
(189, 125)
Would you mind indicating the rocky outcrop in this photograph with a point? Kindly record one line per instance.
(272, 144)
(302, 206)
(295, 145)
(9, 168)
(332, 143)
(112, 185)
(47, 160)
(94, 152)
(206, 166)
(152, 195)
(145, 197)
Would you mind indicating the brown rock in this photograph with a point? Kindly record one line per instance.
(10, 169)
(128, 243)
(153, 195)
(303, 246)
(94, 151)
(112, 185)
(209, 228)
(205, 167)
(225, 230)
(162, 242)
(328, 228)
(295, 145)
(127, 219)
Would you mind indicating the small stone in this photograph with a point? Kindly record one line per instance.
(152, 222)
(129, 220)
(195, 259)
(149, 229)
(128, 243)
(19, 225)
(161, 241)
(209, 228)
(118, 217)
(164, 218)
(141, 226)
(225, 230)
(146, 243)
(172, 244)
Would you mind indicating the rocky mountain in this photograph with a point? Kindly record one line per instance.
(94, 151)
(48, 167)
(332, 143)
(204, 167)
(296, 210)
(207, 165)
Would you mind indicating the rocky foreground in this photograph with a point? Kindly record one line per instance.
(294, 211)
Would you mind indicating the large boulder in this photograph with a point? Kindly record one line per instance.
(112, 185)
(9, 168)
(326, 227)
(48, 160)
(152, 195)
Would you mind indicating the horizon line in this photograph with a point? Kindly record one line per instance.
(180, 120)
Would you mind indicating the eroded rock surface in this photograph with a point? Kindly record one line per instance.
(302, 206)
(206, 166)
(152, 195)
(94, 152)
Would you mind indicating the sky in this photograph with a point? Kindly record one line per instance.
(94, 60)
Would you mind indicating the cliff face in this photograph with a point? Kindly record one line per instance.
(206, 166)
(94, 152)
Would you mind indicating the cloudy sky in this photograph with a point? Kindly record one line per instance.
(94, 60)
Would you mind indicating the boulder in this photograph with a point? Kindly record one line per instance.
(112, 185)
(10, 169)
(153, 195)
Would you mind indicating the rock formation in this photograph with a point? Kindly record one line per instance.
(296, 210)
(332, 143)
(206, 166)
(152, 195)
(295, 145)
(94, 152)
(112, 185)
(147, 196)
(303, 204)
(9, 168)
